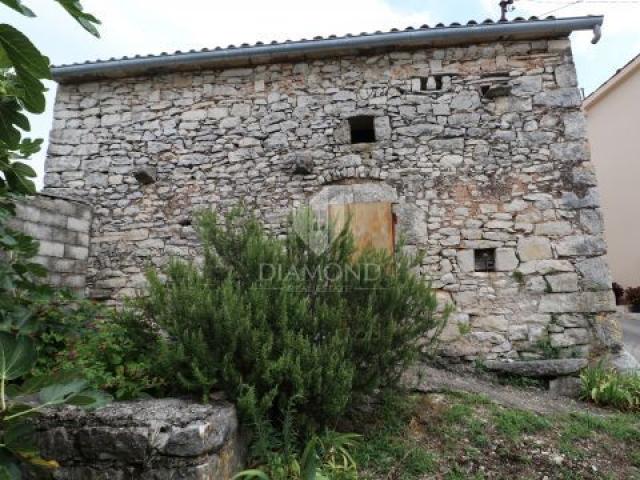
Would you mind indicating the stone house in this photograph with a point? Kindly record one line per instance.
(471, 136)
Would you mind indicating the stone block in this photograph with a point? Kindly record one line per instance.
(382, 127)
(527, 85)
(148, 439)
(506, 260)
(51, 249)
(567, 320)
(466, 261)
(451, 161)
(578, 302)
(570, 337)
(466, 100)
(538, 368)
(595, 274)
(77, 252)
(559, 98)
(553, 229)
(36, 230)
(534, 248)
(563, 282)
(62, 164)
(575, 125)
(544, 267)
(566, 75)
(581, 245)
(78, 224)
(565, 387)
(194, 115)
(490, 323)
(572, 201)
(623, 362)
(50, 218)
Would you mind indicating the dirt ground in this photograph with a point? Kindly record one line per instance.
(454, 426)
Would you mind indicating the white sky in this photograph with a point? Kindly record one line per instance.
(132, 27)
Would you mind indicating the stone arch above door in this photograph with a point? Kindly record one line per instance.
(411, 220)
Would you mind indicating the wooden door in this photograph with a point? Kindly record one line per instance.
(372, 224)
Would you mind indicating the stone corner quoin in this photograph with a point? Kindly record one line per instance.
(483, 145)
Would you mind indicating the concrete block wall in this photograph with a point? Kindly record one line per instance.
(62, 227)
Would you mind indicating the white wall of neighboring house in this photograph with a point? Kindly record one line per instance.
(613, 116)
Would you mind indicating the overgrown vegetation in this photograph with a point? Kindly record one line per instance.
(23, 297)
(605, 386)
(466, 436)
(285, 331)
(115, 353)
(325, 457)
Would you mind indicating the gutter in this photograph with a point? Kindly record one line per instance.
(309, 49)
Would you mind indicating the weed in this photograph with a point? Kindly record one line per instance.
(518, 277)
(607, 387)
(514, 423)
(547, 350)
(464, 328)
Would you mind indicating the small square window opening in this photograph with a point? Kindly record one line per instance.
(485, 260)
(362, 129)
(424, 81)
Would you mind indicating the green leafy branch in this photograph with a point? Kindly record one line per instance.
(18, 402)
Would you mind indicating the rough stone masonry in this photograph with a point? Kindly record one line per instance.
(479, 145)
(166, 439)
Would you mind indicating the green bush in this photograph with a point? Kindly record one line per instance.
(607, 387)
(259, 322)
(632, 296)
(114, 354)
(61, 320)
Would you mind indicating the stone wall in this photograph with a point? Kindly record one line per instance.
(144, 440)
(62, 226)
(483, 147)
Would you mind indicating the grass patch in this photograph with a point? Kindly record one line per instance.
(465, 436)
(515, 423)
(623, 427)
(459, 474)
(394, 457)
(458, 413)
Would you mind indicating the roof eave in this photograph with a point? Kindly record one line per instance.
(292, 51)
(618, 78)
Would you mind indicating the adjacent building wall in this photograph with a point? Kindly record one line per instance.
(62, 227)
(614, 133)
(478, 147)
